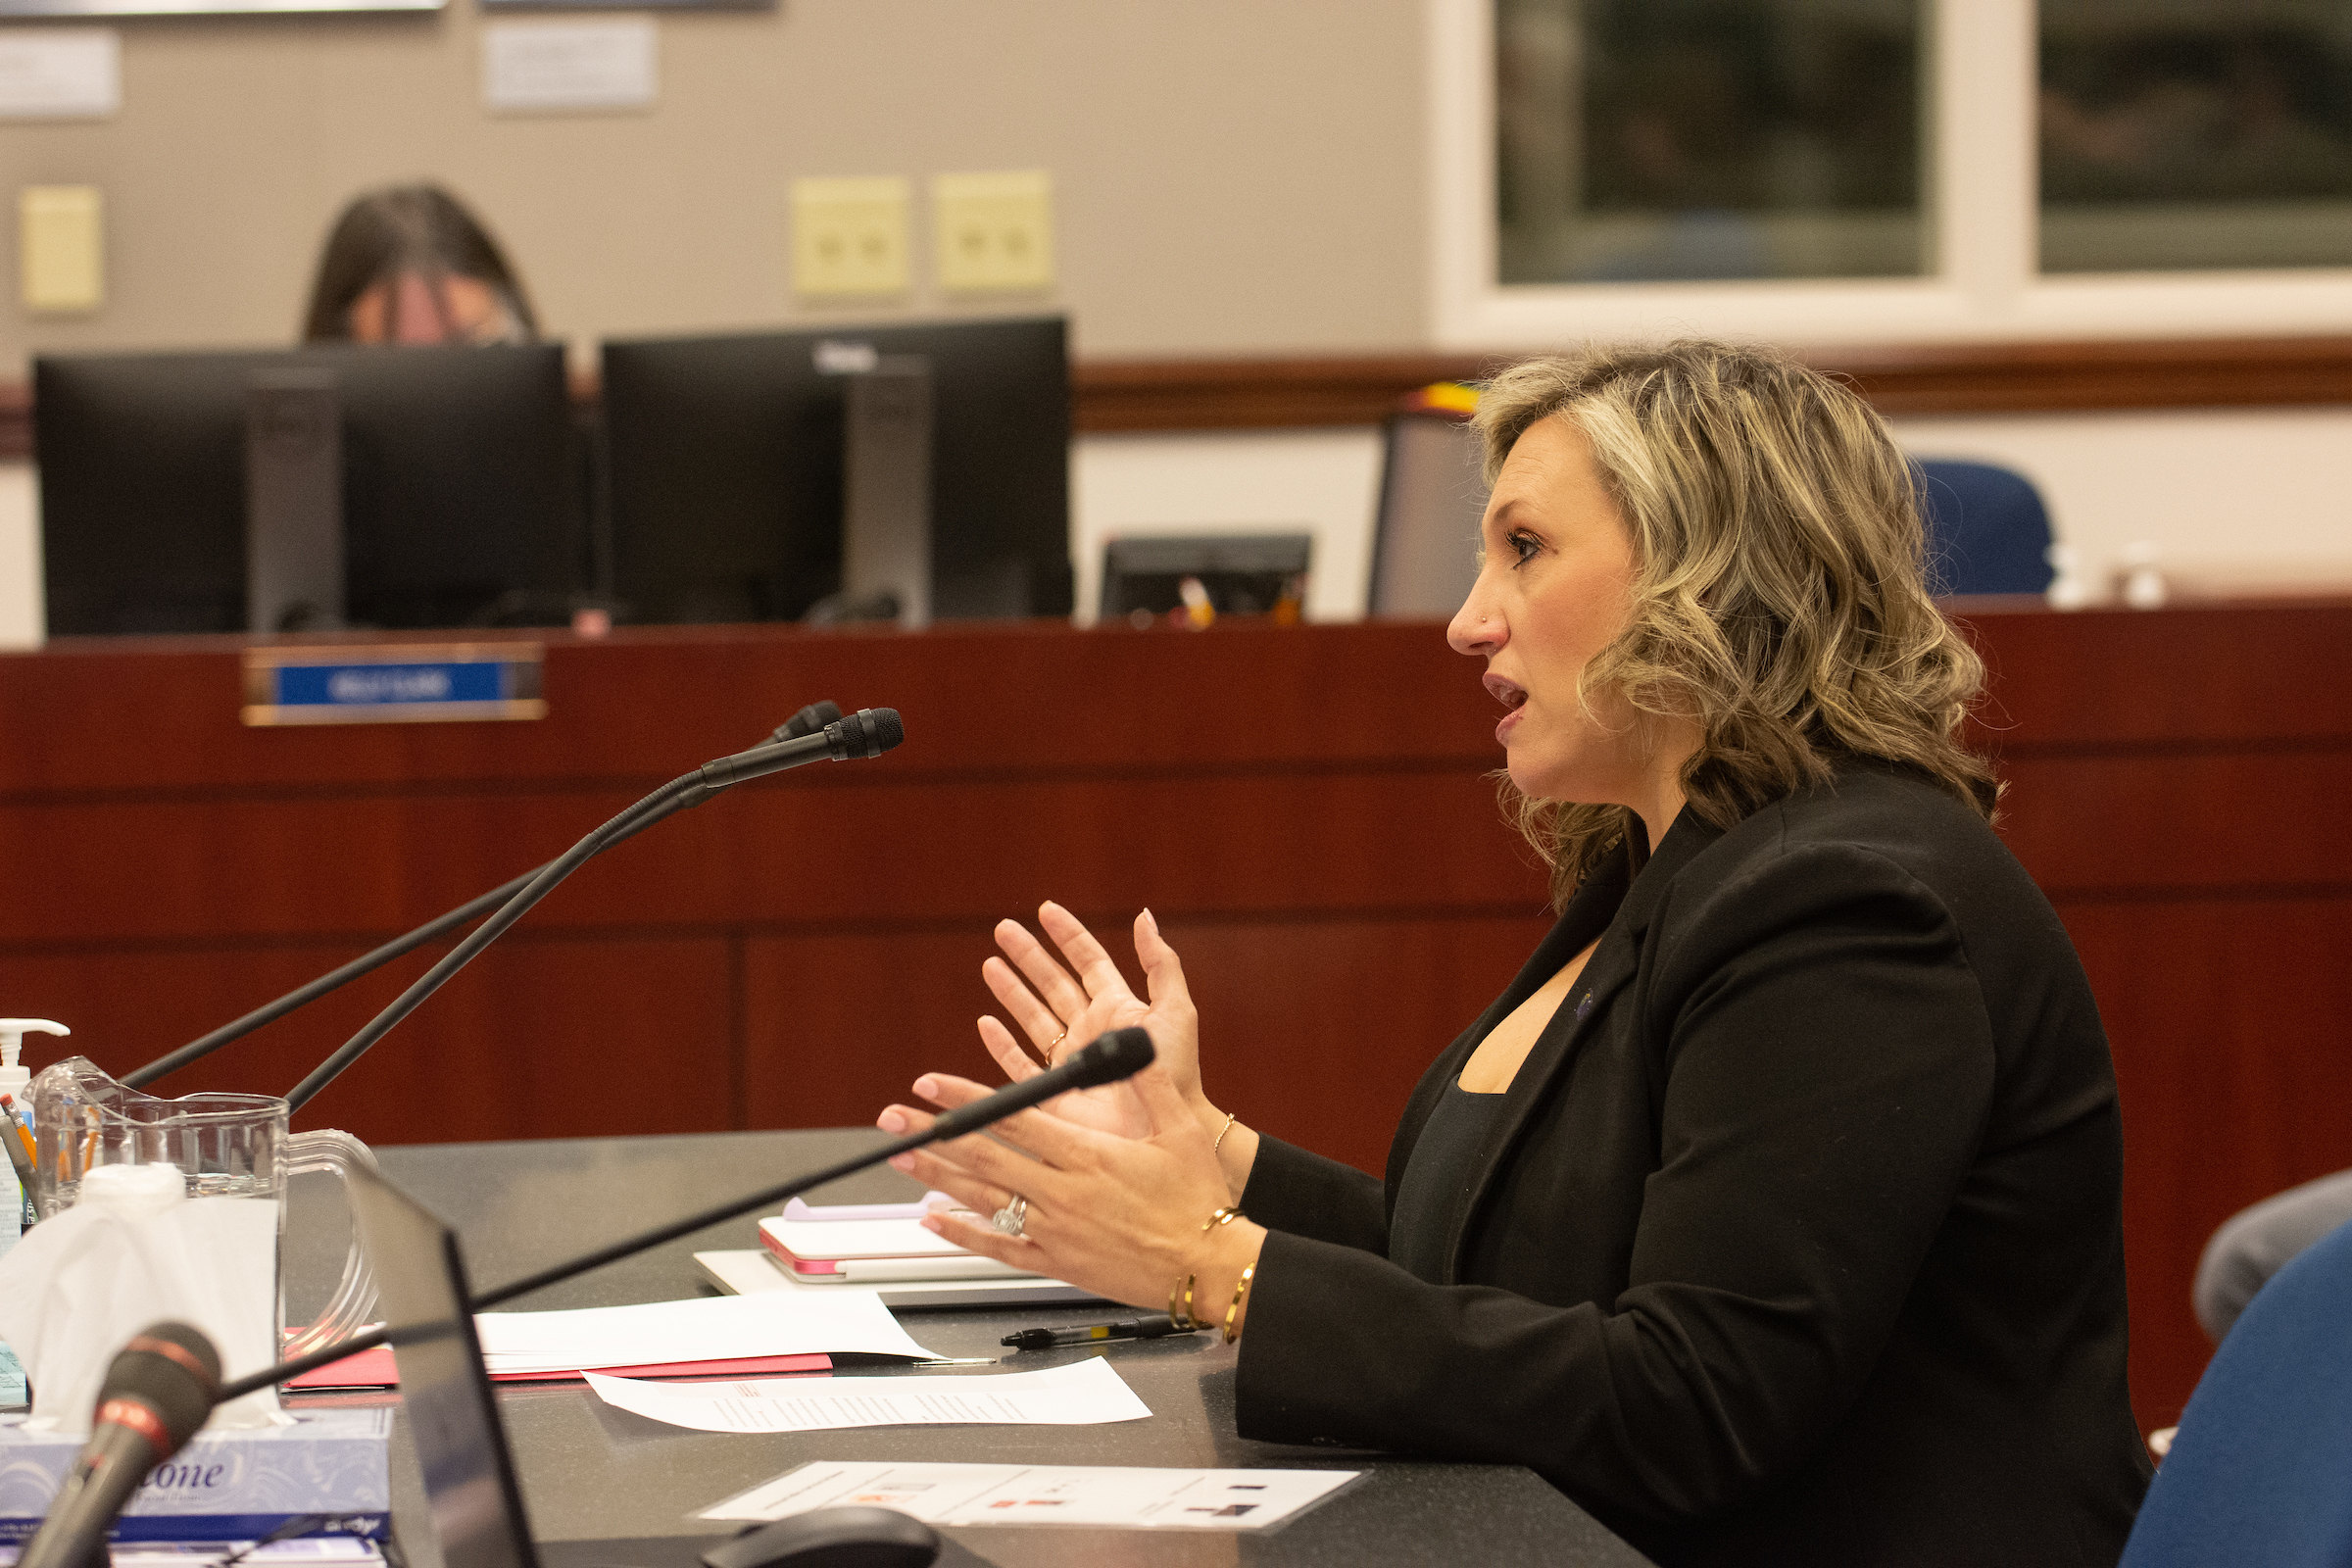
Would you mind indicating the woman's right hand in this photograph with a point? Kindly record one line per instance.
(1061, 1009)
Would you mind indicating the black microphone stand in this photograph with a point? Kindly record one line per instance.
(808, 721)
(1121, 1053)
(868, 732)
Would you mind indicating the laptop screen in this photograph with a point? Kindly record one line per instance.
(453, 1419)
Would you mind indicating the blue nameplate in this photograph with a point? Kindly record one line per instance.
(413, 683)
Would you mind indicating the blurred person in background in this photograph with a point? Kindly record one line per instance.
(410, 265)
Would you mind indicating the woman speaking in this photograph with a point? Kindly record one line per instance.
(1773, 1211)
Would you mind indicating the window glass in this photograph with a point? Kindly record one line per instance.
(2195, 133)
(1683, 139)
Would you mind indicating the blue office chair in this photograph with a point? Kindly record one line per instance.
(1987, 530)
(2256, 1477)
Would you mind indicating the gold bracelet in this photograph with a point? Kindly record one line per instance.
(1231, 1117)
(1223, 1217)
(1182, 1289)
(1239, 1291)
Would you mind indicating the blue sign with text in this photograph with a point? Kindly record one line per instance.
(403, 684)
(382, 685)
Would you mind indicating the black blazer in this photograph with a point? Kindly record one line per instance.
(1800, 1239)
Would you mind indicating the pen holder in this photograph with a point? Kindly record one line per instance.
(226, 1148)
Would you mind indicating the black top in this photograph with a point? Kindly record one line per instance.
(1803, 1244)
(1438, 1180)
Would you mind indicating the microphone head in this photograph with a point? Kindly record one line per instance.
(808, 721)
(1108, 1059)
(868, 732)
(173, 1370)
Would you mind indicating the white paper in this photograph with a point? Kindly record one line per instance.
(883, 1249)
(757, 1271)
(1133, 1497)
(709, 1328)
(570, 65)
(824, 1241)
(61, 73)
(800, 1211)
(1085, 1393)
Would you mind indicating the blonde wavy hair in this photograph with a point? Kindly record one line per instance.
(1780, 596)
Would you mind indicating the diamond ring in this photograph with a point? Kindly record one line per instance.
(1010, 1219)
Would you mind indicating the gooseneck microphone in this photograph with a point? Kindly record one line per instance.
(808, 721)
(156, 1395)
(1121, 1053)
(868, 732)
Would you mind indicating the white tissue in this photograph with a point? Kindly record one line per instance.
(82, 1284)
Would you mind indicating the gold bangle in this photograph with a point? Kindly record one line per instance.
(1182, 1289)
(1223, 1217)
(1239, 1291)
(1231, 1117)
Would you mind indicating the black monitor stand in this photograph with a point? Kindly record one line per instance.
(886, 492)
(293, 500)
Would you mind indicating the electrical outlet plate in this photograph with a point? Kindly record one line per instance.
(995, 232)
(60, 266)
(849, 236)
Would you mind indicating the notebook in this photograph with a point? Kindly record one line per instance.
(874, 1251)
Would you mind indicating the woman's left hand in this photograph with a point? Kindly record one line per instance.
(1119, 1216)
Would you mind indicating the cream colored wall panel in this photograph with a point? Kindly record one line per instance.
(20, 556)
(1229, 176)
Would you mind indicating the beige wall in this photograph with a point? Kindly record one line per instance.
(1230, 175)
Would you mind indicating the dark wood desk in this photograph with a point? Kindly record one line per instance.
(1304, 809)
(590, 1472)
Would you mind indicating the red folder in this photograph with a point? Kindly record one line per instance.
(374, 1369)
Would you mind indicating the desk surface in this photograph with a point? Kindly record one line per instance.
(590, 1471)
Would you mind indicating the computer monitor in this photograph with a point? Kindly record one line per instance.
(1432, 497)
(726, 472)
(473, 1504)
(1243, 574)
(459, 504)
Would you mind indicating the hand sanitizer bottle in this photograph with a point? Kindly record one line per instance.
(16, 1203)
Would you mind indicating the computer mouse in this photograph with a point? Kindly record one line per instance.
(832, 1537)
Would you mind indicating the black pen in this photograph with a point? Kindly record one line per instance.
(1151, 1326)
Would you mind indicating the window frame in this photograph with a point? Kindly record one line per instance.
(1982, 203)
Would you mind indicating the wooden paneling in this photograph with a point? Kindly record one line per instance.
(885, 850)
(1286, 781)
(1897, 379)
(1320, 1030)
(538, 1039)
(2177, 785)
(2038, 377)
(2156, 833)
(1921, 378)
(2227, 1021)
(1257, 394)
(1306, 809)
(2239, 678)
(1316, 1027)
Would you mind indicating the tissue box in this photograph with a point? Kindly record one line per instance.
(225, 1486)
(312, 1551)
